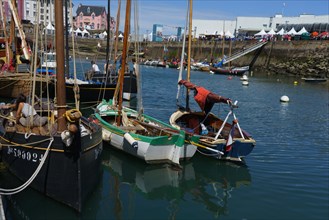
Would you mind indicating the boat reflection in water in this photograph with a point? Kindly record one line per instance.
(132, 189)
(208, 182)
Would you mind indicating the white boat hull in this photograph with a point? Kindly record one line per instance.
(148, 152)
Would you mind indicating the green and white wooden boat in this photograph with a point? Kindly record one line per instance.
(143, 136)
(136, 133)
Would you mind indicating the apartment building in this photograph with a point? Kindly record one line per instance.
(35, 11)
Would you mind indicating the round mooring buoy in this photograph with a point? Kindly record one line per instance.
(245, 83)
(295, 82)
(284, 98)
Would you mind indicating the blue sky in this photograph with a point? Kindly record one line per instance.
(172, 13)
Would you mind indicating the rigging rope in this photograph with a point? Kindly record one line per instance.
(30, 180)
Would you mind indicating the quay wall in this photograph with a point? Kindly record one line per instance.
(302, 58)
(293, 58)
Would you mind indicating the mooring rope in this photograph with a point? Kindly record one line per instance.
(30, 180)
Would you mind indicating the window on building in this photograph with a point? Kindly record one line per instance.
(27, 13)
(265, 25)
(93, 16)
(41, 10)
(81, 24)
(88, 10)
(41, 17)
(98, 26)
(34, 13)
(81, 16)
(34, 6)
(92, 26)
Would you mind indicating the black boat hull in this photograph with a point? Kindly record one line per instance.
(68, 175)
(99, 89)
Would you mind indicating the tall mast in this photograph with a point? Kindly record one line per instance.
(124, 57)
(117, 31)
(16, 19)
(115, 96)
(189, 55)
(4, 21)
(108, 36)
(67, 67)
(60, 87)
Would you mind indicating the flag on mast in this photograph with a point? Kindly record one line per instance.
(229, 141)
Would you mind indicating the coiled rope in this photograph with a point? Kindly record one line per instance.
(29, 181)
(72, 115)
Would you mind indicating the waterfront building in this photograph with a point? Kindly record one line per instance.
(28, 11)
(157, 33)
(91, 17)
(250, 25)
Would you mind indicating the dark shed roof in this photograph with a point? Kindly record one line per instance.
(87, 10)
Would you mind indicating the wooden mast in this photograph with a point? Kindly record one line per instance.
(60, 87)
(4, 20)
(115, 96)
(124, 57)
(116, 33)
(189, 54)
(13, 8)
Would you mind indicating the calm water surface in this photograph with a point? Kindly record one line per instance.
(285, 177)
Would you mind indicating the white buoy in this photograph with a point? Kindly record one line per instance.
(284, 98)
(245, 83)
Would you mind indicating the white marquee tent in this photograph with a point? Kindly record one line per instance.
(229, 35)
(50, 29)
(271, 32)
(281, 32)
(292, 31)
(78, 32)
(85, 33)
(303, 30)
(261, 33)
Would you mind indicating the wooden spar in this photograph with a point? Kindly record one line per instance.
(5, 33)
(60, 87)
(115, 96)
(117, 31)
(12, 35)
(124, 57)
(189, 54)
(12, 5)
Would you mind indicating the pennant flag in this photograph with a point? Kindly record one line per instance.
(229, 141)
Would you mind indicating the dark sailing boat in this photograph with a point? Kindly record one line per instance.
(62, 158)
(98, 86)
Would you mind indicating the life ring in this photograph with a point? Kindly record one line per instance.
(73, 115)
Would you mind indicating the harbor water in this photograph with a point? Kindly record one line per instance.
(285, 177)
